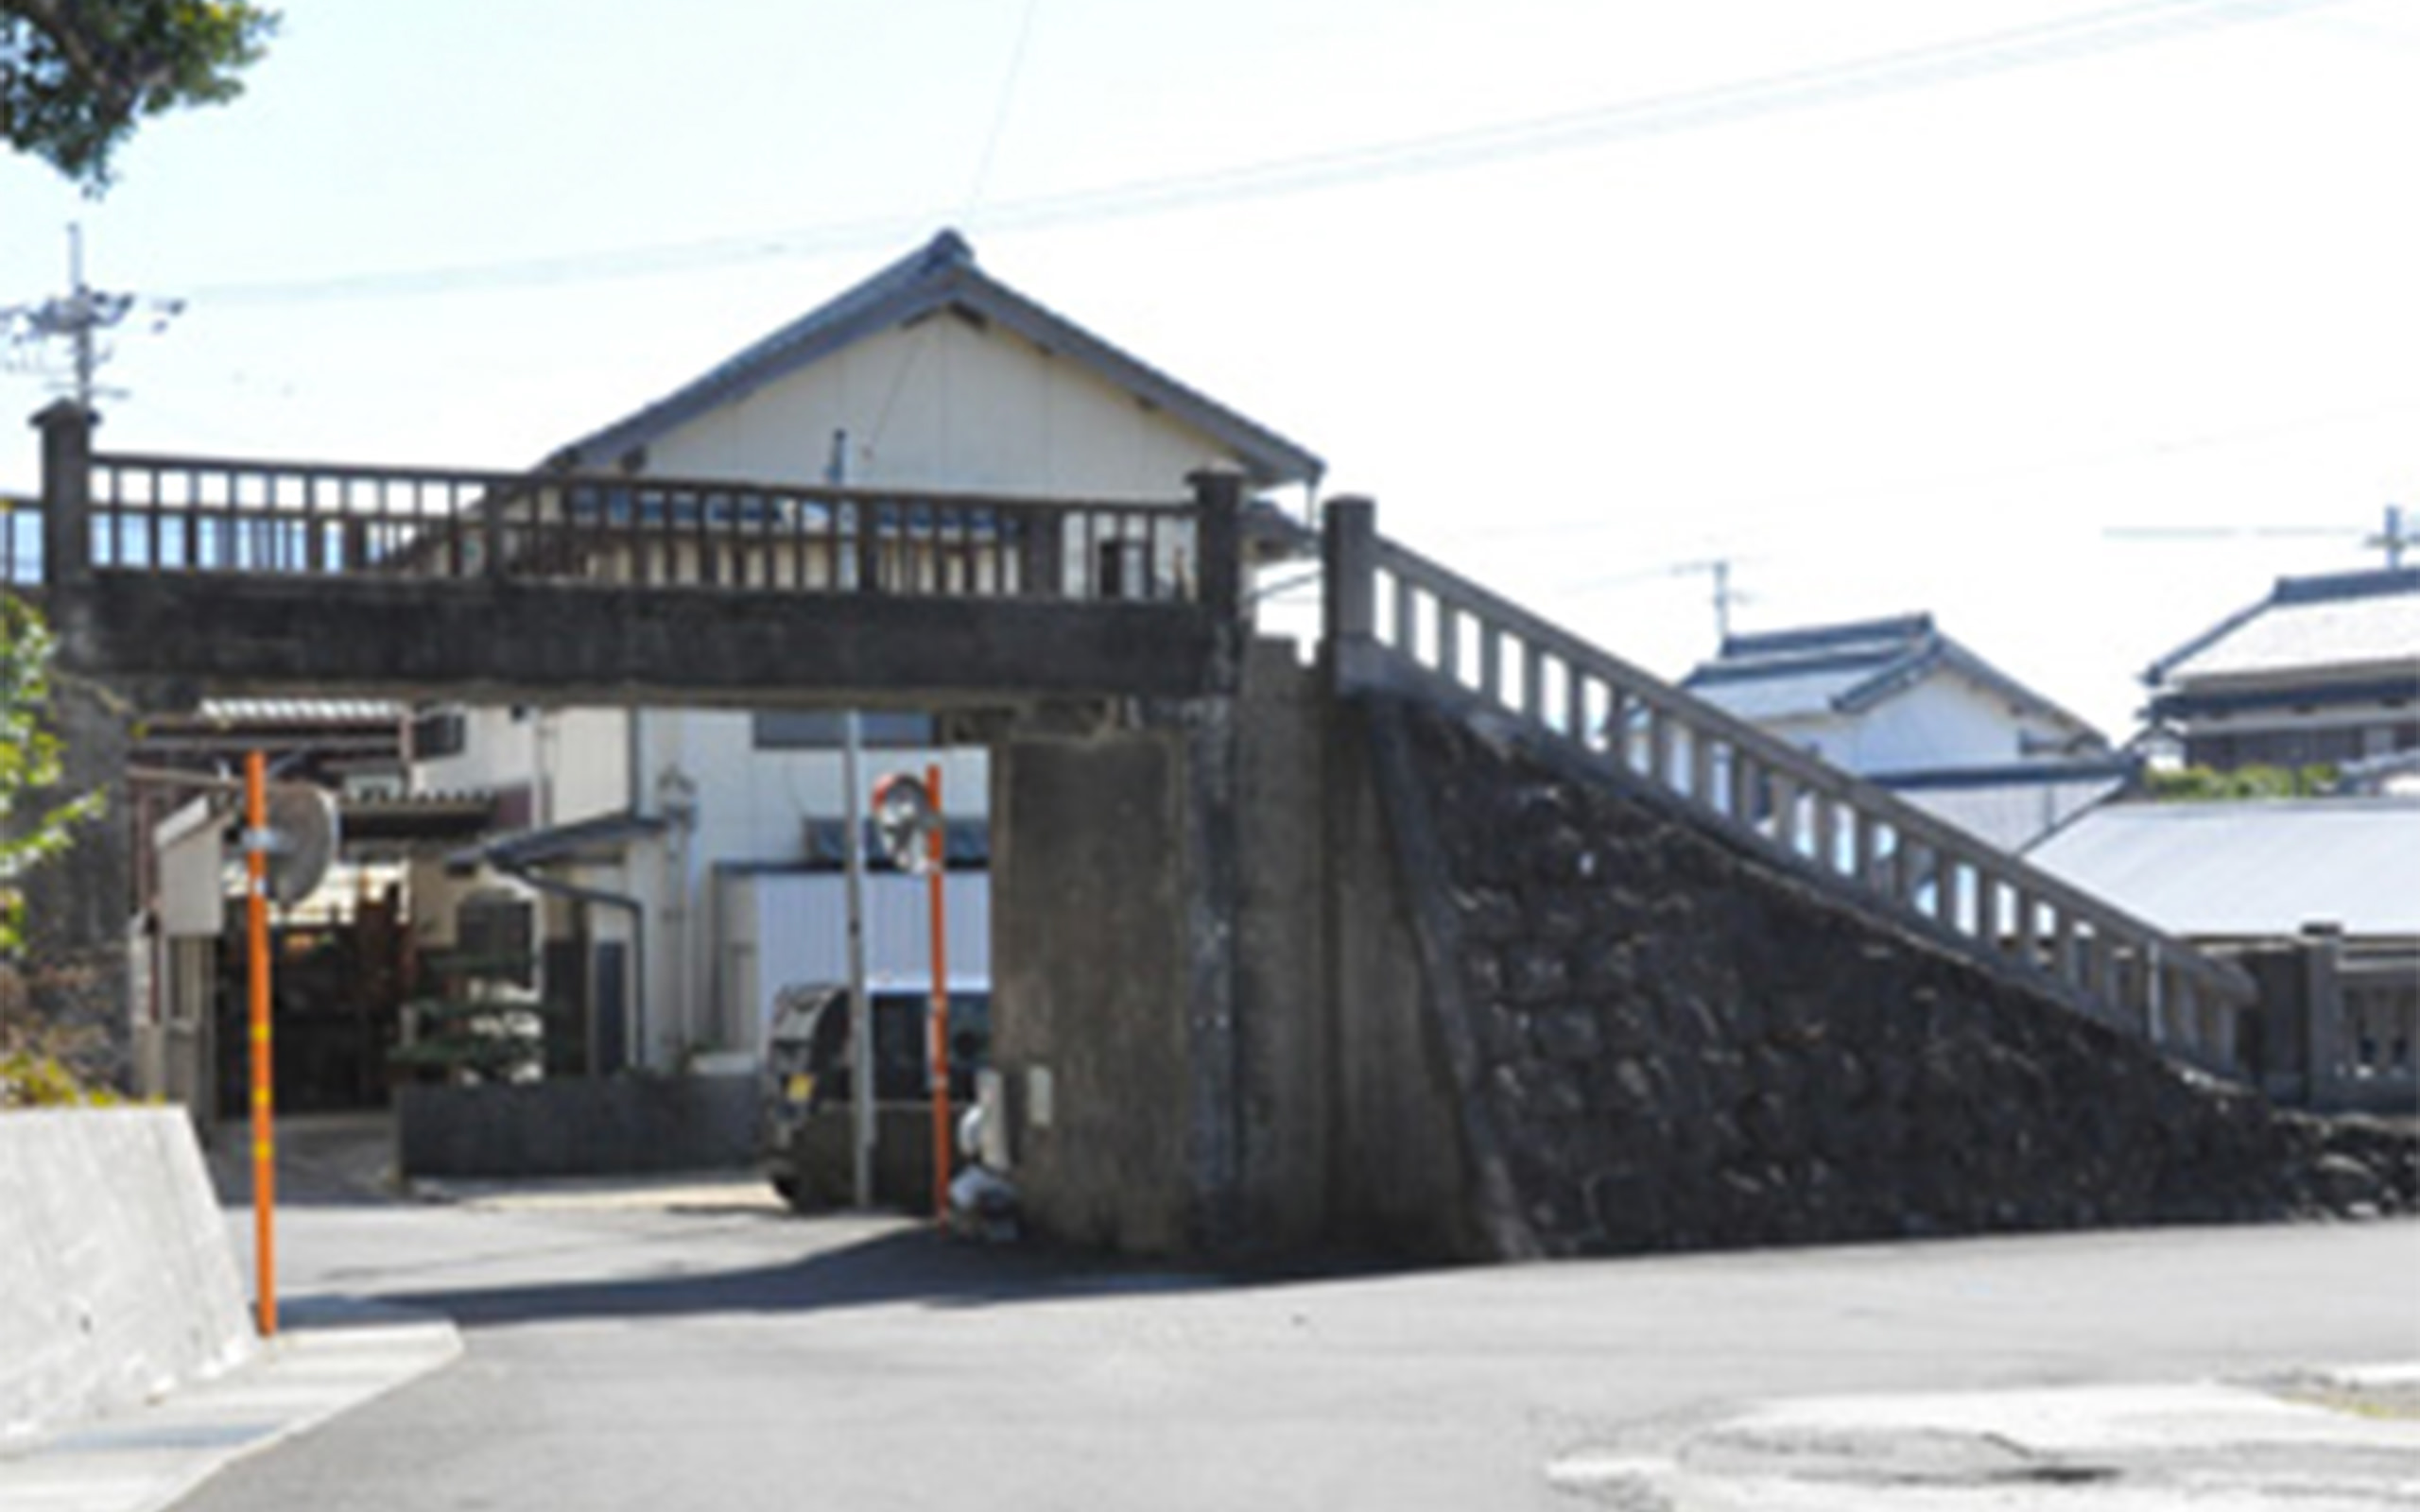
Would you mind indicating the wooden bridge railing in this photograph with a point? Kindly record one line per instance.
(155, 514)
(1398, 621)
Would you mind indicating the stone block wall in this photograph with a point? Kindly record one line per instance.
(578, 1127)
(1671, 1043)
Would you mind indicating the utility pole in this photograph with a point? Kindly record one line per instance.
(78, 318)
(2395, 538)
(1719, 568)
(1725, 597)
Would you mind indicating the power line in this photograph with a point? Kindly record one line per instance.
(2395, 537)
(1000, 111)
(2070, 39)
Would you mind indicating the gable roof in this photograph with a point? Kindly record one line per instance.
(1847, 669)
(2307, 624)
(942, 275)
(2248, 870)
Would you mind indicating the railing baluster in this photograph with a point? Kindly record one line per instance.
(1784, 791)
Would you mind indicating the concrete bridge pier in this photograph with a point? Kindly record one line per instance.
(1156, 915)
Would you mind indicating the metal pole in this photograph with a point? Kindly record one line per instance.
(86, 317)
(861, 1108)
(938, 1020)
(264, 1111)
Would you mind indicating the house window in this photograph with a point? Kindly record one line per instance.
(439, 732)
(497, 934)
(822, 730)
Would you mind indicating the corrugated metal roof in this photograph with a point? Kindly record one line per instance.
(300, 711)
(2250, 868)
(2309, 623)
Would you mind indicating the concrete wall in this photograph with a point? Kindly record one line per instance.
(1284, 1038)
(117, 1278)
(1090, 990)
(576, 1127)
(1402, 1182)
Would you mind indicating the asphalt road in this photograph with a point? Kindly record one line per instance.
(700, 1348)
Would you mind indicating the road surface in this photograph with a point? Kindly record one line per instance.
(663, 1349)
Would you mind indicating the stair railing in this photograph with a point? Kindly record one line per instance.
(1399, 622)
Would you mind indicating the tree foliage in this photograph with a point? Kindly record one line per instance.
(2203, 784)
(32, 825)
(37, 1059)
(77, 75)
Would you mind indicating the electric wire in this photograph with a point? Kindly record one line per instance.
(2070, 39)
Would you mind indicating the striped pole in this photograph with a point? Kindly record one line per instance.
(938, 1021)
(264, 1111)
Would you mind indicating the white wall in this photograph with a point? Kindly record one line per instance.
(193, 879)
(791, 929)
(583, 764)
(499, 750)
(944, 405)
(1945, 720)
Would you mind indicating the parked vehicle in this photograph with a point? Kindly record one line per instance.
(805, 1132)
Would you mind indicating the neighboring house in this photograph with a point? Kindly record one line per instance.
(670, 859)
(2269, 876)
(338, 1000)
(1903, 705)
(2325, 671)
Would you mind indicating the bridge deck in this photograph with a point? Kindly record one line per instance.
(229, 575)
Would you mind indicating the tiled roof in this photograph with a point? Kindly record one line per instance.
(2342, 621)
(942, 275)
(1847, 669)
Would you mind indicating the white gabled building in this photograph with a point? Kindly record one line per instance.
(2325, 671)
(673, 854)
(1903, 705)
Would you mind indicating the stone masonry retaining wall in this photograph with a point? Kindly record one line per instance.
(1665, 1043)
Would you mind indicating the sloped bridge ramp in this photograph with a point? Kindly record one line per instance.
(1683, 985)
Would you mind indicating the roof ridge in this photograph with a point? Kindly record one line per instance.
(941, 272)
(1812, 637)
(2322, 587)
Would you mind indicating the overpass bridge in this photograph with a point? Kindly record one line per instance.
(1258, 980)
(222, 578)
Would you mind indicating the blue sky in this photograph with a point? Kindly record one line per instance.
(1896, 306)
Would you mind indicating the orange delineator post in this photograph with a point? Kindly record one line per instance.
(937, 1020)
(264, 1111)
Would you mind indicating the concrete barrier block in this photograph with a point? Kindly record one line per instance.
(117, 1281)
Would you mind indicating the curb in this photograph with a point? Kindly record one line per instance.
(340, 1354)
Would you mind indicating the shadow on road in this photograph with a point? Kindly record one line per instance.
(903, 1266)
